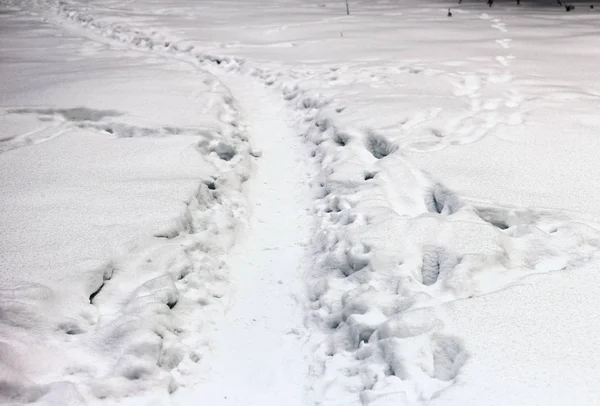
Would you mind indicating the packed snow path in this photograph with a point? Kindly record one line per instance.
(258, 358)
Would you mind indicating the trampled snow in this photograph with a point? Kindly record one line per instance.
(121, 191)
(452, 215)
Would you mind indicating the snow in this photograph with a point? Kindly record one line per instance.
(532, 344)
(118, 205)
(449, 250)
(264, 326)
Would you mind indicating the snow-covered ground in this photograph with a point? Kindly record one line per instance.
(120, 193)
(419, 225)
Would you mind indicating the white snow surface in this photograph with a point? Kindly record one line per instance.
(120, 192)
(420, 225)
(260, 355)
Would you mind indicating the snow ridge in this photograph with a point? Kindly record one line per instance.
(392, 246)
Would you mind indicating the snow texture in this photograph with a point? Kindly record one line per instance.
(118, 206)
(455, 237)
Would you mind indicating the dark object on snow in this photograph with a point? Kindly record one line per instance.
(518, 2)
(449, 13)
(592, 6)
(569, 7)
(559, 2)
(459, 1)
(490, 2)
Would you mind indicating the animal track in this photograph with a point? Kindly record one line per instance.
(504, 43)
(484, 114)
(500, 26)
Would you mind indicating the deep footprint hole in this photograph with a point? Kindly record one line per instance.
(341, 139)
(210, 184)
(441, 200)
(379, 146)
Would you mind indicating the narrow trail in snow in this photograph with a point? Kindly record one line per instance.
(258, 357)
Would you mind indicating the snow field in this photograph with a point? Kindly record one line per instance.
(484, 80)
(117, 212)
(404, 262)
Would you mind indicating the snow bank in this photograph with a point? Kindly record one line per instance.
(121, 191)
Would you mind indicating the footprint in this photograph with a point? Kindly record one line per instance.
(430, 268)
(502, 61)
(500, 26)
(497, 217)
(504, 43)
(379, 146)
(449, 356)
(441, 200)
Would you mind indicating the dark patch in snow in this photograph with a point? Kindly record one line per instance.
(494, 217)
(95, 293)
(224, 151)
(441, 200)
(130, 131)
(437, 133)
(71, 328)
(172, 303)
(379, 146)
(334, 322)
(341, 139)
(76, 114)
(210, 184)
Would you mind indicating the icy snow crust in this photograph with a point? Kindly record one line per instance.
(420, 294)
